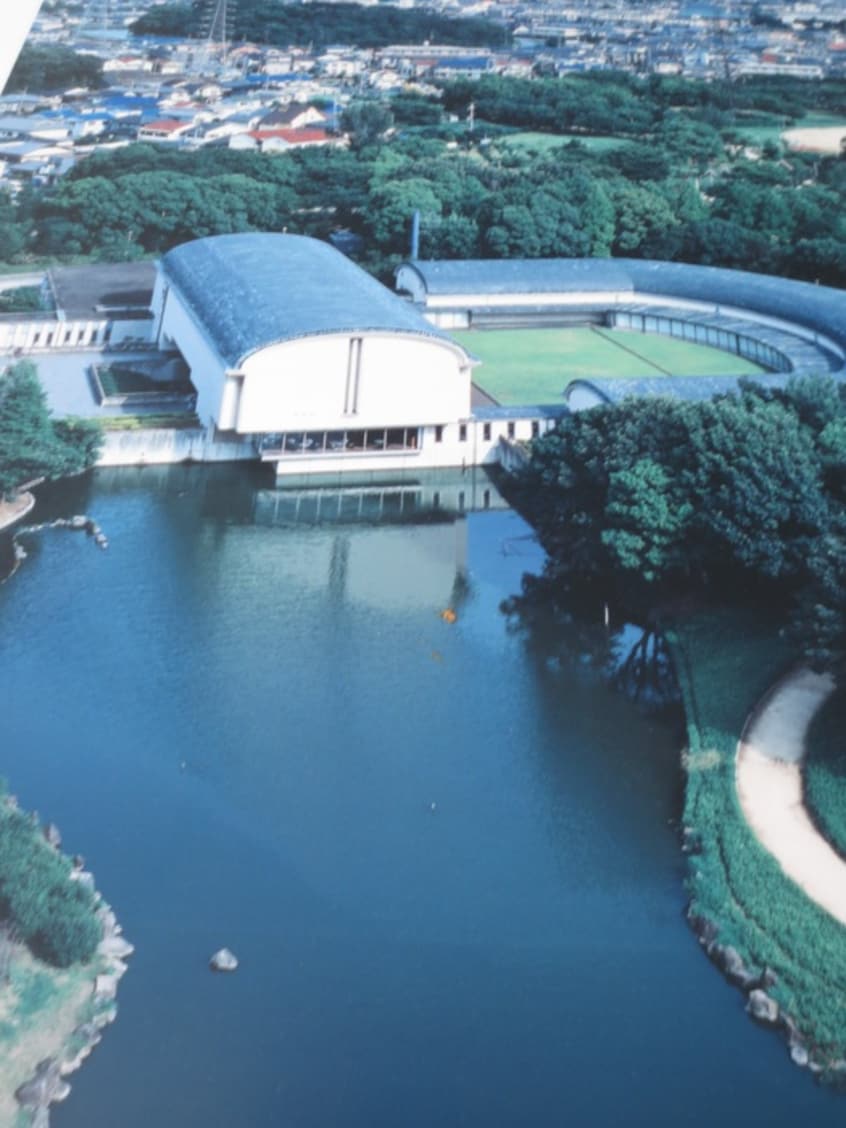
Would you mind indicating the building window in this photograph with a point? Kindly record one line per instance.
(462, 432)
(535, 428)
(511, 429)
(486, 499)
(439, 433)
(486, 432)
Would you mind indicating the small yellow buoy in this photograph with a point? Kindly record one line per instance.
(449, 616)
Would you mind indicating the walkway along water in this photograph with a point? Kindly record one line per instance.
(769, 788)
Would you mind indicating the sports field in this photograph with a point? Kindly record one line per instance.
(524, 366)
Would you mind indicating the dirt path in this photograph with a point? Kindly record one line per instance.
(823, 139)
(769, 786)
(11, 511)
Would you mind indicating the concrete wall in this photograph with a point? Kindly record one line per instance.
(176, 326)
(137, 448)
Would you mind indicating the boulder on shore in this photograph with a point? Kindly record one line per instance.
(762, 1007)
(223, 960)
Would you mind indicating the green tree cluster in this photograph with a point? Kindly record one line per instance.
(32, 445)
(742, 496)
(682, 192)
(53, 914)
(43, 68)
(320, 24)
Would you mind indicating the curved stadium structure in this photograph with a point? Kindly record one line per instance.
(783, 326)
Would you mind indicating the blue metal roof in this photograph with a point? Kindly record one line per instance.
(520, 276)
(615, 390)
(254, 290)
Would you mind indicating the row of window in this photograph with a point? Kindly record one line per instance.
(336, 442)
(510, 430)
(46, 339)
(372, 439)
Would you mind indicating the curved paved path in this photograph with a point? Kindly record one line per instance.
(768, 775)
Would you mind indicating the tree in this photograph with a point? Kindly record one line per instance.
(31, 444)
(645, 521)
(368, 122)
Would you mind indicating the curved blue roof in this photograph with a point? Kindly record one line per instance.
(254, 290)
(820, 308)
(607, 389)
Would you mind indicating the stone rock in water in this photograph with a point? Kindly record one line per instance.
(800, 1055)
(762, 1007)
(224, 960)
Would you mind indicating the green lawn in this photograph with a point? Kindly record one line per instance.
(682, 358)
(725, 662)
(524, 366)
(817, 119)
(544, 141)
(825, 770)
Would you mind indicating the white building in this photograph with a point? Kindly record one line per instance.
(292, 344)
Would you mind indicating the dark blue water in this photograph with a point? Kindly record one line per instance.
(243, 727)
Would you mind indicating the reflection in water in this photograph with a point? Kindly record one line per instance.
(242, 720)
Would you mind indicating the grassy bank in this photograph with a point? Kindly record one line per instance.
(825, 771)
(725, 663)
(41, 1007)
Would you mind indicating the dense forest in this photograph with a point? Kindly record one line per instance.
(741, 499)
(320, 24)
(677, 186)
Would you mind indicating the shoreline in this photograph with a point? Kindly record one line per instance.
(763, 931)
(46, 1041)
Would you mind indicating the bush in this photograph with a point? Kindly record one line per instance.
(54, 914)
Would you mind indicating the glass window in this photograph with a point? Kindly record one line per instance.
(462, 432)
(439, 434)
(486, 432)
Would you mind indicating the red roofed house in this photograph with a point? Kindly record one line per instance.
(169, 129)
(278, 140)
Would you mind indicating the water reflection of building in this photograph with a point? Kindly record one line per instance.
(401, 544)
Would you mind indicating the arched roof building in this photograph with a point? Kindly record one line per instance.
(285, 336)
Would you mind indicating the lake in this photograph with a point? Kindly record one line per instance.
(450, 869)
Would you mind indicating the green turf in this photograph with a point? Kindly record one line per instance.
(682, 358)
(523, 366)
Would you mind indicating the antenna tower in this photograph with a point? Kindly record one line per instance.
(217, 20)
